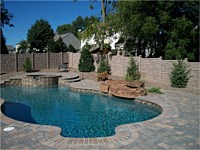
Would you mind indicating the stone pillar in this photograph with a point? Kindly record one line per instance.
(139, 61)
(72, 60)
(123, 65)
(48, 63)
(16, 62)
(33, 61)
(160, 71)
(69, 59)
(61, 57)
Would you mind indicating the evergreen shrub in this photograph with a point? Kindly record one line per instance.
(86, 61)
(103, 70)
(27, 65)
(103, 67)
(132, 71)
(179, 75)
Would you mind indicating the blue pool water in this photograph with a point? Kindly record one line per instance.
(78, 114)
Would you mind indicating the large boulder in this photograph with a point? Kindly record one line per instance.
(113, 82)
(134, 84)
(121, 88)
(104, 88)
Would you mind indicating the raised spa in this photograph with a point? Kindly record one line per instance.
(77, 114)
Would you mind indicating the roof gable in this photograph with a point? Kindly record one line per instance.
(68, 39)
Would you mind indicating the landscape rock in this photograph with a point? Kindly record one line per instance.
(121, 88)
(104, 88)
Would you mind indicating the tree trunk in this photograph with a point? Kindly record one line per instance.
(103, 10)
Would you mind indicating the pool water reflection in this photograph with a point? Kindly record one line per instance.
(77, 114)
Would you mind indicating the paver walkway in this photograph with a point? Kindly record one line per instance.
(176, 128)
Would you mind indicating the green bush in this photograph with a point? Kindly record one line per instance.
(27, 65)
(132, 71)
(154, 90)
(114, 52)
(86, 61)
(179, 75)
(103, 67)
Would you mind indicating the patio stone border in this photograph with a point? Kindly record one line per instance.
(80, 90)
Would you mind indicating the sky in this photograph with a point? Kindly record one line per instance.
(55, 12)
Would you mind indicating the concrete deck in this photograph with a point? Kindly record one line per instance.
(85, 86)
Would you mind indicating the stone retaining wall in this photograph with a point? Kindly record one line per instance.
(39, 81)
(14, 82)
(62, 82)
(79, 90)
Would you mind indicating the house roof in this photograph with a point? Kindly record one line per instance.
(10, 47)
(68, 39)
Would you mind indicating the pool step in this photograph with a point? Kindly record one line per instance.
(74, 80)
(4, 82)
(70, 77)
(63, 81)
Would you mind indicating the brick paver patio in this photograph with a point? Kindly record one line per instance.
(176, 128)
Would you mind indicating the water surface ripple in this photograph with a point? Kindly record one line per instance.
(77, 114)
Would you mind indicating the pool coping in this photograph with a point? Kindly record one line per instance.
(125, 134)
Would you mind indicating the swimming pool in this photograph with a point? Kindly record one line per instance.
(77, 114)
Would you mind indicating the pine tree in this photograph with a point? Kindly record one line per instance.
(179, 74)
(86, 61)
(39, 35)
(132, 71)
(60, 46)
(71, 48)
(4, 49)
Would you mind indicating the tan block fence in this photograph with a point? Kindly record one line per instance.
(152, 70)
(14, 62)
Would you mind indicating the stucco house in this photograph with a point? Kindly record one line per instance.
(115, 42)
(112, 40)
